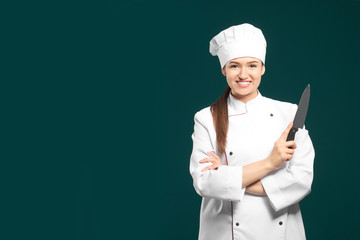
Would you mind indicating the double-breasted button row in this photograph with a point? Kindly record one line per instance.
(280, 223)
(231, 153)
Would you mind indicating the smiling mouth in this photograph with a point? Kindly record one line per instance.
(243, 83)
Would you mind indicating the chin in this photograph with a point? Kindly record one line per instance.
(244, 93)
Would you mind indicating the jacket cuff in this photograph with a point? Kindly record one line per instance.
(276, 197)
(235, 182)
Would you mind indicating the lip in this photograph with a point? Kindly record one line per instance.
(243, 86)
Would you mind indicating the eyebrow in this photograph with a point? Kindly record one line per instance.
(246, 63)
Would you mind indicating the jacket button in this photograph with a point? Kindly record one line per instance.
(271, 114)
(280, 223)
(231, 153)
(237, 224)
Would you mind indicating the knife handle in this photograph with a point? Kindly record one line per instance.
(291, 134)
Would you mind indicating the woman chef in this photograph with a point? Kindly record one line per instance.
(250, 178)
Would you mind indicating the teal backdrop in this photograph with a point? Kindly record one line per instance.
(98, 99)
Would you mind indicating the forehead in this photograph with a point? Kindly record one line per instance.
(245, 60)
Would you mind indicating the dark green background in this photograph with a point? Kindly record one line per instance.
(98, 99)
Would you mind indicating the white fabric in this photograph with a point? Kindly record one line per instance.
(243, 40)
(251, 136)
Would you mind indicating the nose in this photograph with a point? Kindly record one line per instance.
(242, 74)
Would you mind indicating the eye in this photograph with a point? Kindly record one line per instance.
(253, 66)
(233, 66)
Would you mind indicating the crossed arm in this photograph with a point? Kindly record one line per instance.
(256, 188)
(252, 173)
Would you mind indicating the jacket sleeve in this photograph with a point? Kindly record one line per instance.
(292, 183)
(225, 183)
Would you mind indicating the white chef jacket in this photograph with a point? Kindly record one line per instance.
(227, 211)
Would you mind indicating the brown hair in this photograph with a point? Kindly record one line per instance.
(219, 110)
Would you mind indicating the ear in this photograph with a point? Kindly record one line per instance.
(223, 71)
(263, 70)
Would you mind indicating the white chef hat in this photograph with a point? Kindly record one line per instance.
(243, 40)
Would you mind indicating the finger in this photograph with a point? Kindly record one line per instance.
(213, 154)
(214, 167)
(290, 144)
(204, 169)
(207, 168)
(286, 132)
(290, 151)
(206, 160)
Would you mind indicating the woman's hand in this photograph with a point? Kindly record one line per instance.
(215, 160)
(282, 150)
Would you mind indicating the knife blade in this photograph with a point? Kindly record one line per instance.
(300, 116)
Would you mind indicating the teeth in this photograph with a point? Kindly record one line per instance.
(243, 83)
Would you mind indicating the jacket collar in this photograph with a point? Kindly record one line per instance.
(237, 107)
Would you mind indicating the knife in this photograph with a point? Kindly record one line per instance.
(300, 115)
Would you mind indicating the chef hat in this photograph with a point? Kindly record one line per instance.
(243, 40)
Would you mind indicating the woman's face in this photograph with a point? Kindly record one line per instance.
(243, 76)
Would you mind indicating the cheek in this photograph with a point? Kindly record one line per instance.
(229, 77)
(229, 82)
(257, 76)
